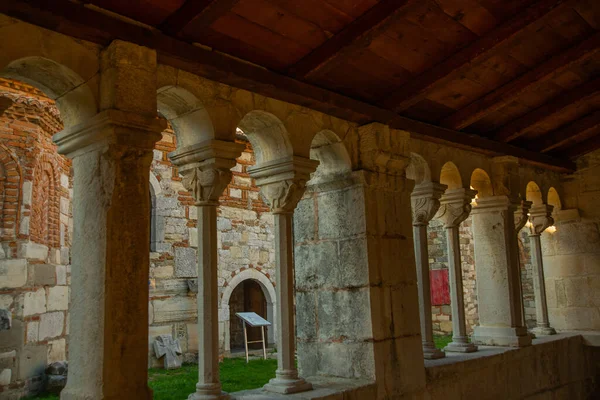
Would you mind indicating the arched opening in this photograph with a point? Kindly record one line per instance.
(418, 169)
(334, 161)
(248, 296)
(481, 182)
(554, 199)
(268, 136)
(534, 194)
(450, 176)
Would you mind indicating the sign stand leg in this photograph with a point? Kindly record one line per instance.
(262, 330)
(246, 341)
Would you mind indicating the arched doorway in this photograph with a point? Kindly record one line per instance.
(248, 296)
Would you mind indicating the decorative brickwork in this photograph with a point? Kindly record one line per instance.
(44, 226)
(10, 191)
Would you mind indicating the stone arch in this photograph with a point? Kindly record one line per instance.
(480, 181)
(450, 176)
(156, 235)
(554, 199)
(268, 289)
(186, 114)
(73, 96)
(334, 160)
(45, 207)
(10, 194)
(418, 170)
(268, 136)
(534, 194)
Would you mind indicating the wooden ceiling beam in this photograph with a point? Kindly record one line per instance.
(565, 135)
(454, 66)
(520, 126)
(202, 12)
(357, 34)
(79, 22)
(512, 90)
(581, 148)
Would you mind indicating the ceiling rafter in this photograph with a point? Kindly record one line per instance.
(202, 12)
(79, 22)
(520, 126)
(356, 35)
(454, 66)
(504, 95)
(584, 147)
(563, 136)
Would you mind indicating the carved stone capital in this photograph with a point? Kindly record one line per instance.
(522, 215)
(206, 168)
(455, 206)
(283, 182)
(541, 218)
(425, 201)
(379, 153)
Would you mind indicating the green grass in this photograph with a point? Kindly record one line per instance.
(177, 384)
(442, 341)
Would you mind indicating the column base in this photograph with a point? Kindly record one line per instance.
(498, 336)
(287, 386)
(430, 352)
(209, 392)
(543, 331)
(459, 347)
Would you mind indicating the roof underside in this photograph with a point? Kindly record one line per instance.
(480, 73)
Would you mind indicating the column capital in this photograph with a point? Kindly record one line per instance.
(283, 182)
(541, 218)
(425, 200)
(455, 206)
(110, 127)
(206, 168)
(522, 214)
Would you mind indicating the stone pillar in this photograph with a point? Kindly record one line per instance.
(498, 283)
(282, 182)
(112, 152)
(108, 342)
(521, 218)
(425, 204)
(206, 173)
(540, 217)
(454, 209)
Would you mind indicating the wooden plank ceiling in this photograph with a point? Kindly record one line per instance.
(520, 77)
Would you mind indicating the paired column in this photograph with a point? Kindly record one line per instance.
(521, 217)
(425, 201)
(454, 209)
(206, 173)
(282, 183)
(498, 276)
(541, 219)
(108, 342)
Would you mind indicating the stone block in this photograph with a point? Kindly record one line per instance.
(316, 265)
(169, 287)
(57, 350)
(34, 302)
(353, 266)
(192, 337)
(347, 360)
(32, 361)
(58, 298)
(13, 273)
(193, 237)
(51, 325)
(5, 376)
(12, 338)
(61, 275)
(175, 309)
(306, 315)
(27, 192)
(33, 331)
(344, 314)
(44, 274)
(153, 332)
(162, 271)
(24, 226)
(32, 251)
(341, 213)
(186, 262)
(304, 220)
(5, 319)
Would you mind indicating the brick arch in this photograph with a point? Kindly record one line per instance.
(10, 194)
(45, 214)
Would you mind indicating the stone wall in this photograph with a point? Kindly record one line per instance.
(527, 277)
(35, 222)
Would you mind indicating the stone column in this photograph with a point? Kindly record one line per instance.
(282, 183)
(497, 269)
(521, 218)
(425, 204)
(108, 342)
(454, 209)
(206, 173)
(541, 219)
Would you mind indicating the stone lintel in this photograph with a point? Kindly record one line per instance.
(209, 149)
(495, 203)
(110, 127)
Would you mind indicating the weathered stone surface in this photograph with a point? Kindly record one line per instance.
(13, 273)
(316, 265)
(32, 361)
(5, 320)
(346, 213)
(306, 315)
(169, 348)
(51, 325)
(304, 220)
(5, 376)
(58, 298)
(342, 314)
(45, 274)
(185, 262)
(34, 302)
(57, 350)
(353, 266)
(174, 309)
(32, 251)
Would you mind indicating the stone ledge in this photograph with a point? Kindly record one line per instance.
(328, 388)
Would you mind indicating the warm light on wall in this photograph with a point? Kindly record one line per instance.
(551, 229)
(528, 224)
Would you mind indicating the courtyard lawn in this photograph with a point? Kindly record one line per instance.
(442, 341)
(236, 375)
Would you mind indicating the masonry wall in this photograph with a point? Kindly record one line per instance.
(35, 222)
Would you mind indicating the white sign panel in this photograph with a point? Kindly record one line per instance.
(253, 319)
